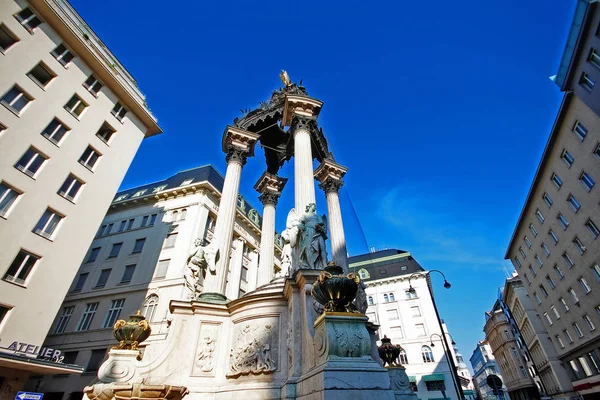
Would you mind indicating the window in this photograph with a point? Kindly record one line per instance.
(587, 181)
(7, 38)
(527, 242)
(62, 54)
(577, 329)
(403, 357)
(103, 278)
(80, 282)
(144, 221)
(31, 162)
(568, 335)
(564, 304)
(121, 197)
(149, 308)
(16, 99)
(517, 262)
(543, 290)
(579, 244)
(153, 219)
(139, 193)
(392, 314)
(113, 313)
(592, 355)
(385, 298)
(597, 150)
(539, 260)
(76, 106)
(567, 158)
(532, 270)
(596, 271)
(95, 360)
(55, 131)
(63, 320)
(539, 216)
(128, 274)
(188, 181)
(547, 316)
(420, 328)
(589, 322)
(585, 285)
(522, 252)
(105, 133)
(371, 302)
(560, 341)
(41, 74)
(427, 354)
(533, 230)
(161, 269)
(527, 278)
(47, 225)
(547, 199)
(244, 276)
(553, 236)
(416, 311)
(575, 206)
(587, 82)
(93, 85)
(114, 251)
(8, 197)
(28, 19)
(172, 238)
(574, 296)
(559, 272)
(592, 228)
(555, 311)
(89, 158)
(158, 188)
(550, 282)
(568, 260)
(93, 254)
(87, 317)
(138, 246)
(119, 111)
(122, 226)
(580, 130)
(556, 180)
(586, 367)
(183, 214)
(411, 294)
(70, 189)
(70, 357)
(563, 221)
(545, 248)
(130, 224)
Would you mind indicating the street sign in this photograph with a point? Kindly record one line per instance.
(29, 396)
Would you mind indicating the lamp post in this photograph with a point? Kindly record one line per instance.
(449, 357)
(454, 372)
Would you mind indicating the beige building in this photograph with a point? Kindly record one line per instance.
(538, 347)
(71, 121)
(138, 262)
(555, 247)
(499, 335)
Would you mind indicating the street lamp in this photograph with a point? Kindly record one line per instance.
(454, 372)
(453, 343)
(449, 359)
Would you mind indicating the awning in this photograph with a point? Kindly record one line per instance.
(412, 379)
(468, 392)
(433, 377)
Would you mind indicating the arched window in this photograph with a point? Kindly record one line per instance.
(427, 354)
(386, 298)
(149, 308)
(392, 297)
(183, 214)
(363, 273)
(254, 217)
(403, 357)
(371, 300)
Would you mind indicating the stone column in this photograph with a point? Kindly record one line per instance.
(270, 187)
(253, 270)
(330, 175)
(300, 113)
(235, 269)
(238, 145)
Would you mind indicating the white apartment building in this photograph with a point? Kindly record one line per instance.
(71, 121)
(409, 319)
(137, 262)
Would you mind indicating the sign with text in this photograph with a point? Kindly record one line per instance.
(29, 396)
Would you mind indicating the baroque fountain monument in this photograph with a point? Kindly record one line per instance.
(300, 335)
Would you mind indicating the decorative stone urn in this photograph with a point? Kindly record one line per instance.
(133, 332)
(389, 353)
(334, 290)
(399, 381)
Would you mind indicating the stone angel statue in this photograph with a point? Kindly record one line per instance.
(313, 233)
(285, 79)
(201, 258)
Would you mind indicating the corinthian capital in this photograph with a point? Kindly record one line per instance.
(302, 123)
(331, 185)
(235, 154)
(269, 198)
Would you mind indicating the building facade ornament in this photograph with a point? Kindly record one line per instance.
(269, 198)
(331, 185)
(255, 349)
(235, 154)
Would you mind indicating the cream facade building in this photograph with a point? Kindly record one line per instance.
(538, 347)
(410, 320)
(71, 121)
(555, 246)
(138, 262)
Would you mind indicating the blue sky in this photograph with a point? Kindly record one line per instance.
(439, 110)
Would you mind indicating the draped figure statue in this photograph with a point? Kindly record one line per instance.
(307, 233)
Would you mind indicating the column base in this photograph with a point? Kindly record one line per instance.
(400, 384)
(216, 298)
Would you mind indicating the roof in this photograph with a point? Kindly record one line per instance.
(385, 264)
(545, 157)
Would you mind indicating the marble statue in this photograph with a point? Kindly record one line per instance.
(201, 258)
(285, 79)
(307, 233)
(205, 360)
(286, 254)
(251, 353)
(361, 298)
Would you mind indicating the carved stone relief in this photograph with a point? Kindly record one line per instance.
(205, 358)
(255, 348)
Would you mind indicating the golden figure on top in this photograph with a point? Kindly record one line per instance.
(285, 79)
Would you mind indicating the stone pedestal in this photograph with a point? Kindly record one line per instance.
(400, 384)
